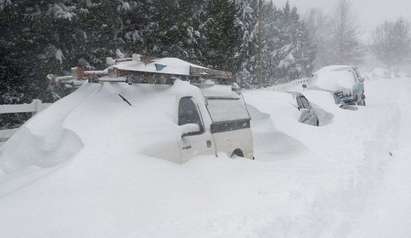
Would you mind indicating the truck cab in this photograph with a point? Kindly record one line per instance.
(218, 122)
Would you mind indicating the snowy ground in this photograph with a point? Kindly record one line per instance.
(349, 178)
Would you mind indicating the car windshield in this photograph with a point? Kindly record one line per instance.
(303, 102)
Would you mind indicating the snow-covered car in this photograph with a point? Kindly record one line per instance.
(308, 113)
(295, 106)
(344, 82)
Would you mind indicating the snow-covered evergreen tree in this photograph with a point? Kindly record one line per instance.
(247, 46)
(49, 37)
(220, 35)
(319, 28)
(391, 43)
(345, 36)
(286, 48)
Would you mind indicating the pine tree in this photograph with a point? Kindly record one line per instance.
(347, 47)
(319, 31)
(220, 35)
(139, 24)
(258, 42)
(100, 28)
(391, 43)
(26, 54)
(287, 49)
(177, 36)
(247, 21)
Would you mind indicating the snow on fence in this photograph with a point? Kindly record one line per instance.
(34, 107)
(295, 85)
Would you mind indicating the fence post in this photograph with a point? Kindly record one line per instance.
(37, 106)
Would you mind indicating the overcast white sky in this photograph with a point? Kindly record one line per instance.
(369, 13)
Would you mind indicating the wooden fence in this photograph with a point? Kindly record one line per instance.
(34, 107)
(295, 85)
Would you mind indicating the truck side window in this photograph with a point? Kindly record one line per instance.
(188, 113)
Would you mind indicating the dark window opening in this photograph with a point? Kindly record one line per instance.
(188, 113)
(225, 126)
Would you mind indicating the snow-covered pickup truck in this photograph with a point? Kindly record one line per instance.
(214, 120)
(344, 82)
(181, 121)
(179, 111)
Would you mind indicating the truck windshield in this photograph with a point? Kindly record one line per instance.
(227, 109)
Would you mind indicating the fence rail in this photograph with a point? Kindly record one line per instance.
(295, 85)
(5, 134)
(33, 107)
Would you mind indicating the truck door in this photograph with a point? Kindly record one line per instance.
(198, 142)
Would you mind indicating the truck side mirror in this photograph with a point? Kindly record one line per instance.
(189, 129)
(236, 88)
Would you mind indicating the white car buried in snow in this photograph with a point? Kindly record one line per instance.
(344, 82)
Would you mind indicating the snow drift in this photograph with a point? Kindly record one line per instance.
(98, 116)
(332, 181)
(46, 140)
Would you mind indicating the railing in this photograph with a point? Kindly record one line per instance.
(34, 107)
(295, 85)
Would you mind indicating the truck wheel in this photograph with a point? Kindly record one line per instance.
(237, 153)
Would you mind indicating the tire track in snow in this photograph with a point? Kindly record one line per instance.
(332, 212)
(388, 211)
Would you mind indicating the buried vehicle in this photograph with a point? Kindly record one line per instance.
(179, 105)
(344, 82)
(220, 121)
(308, 114)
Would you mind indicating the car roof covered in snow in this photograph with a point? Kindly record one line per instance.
(334, 68)
(172, 66)
(220, 91)
(334, 77)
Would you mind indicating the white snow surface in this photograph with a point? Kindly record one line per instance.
(77, 170)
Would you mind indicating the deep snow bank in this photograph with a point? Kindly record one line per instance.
(98, 117)
(329, 189)
(45, 140)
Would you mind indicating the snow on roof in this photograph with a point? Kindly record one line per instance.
(219, 91)
(224, 104)
(160, 66)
